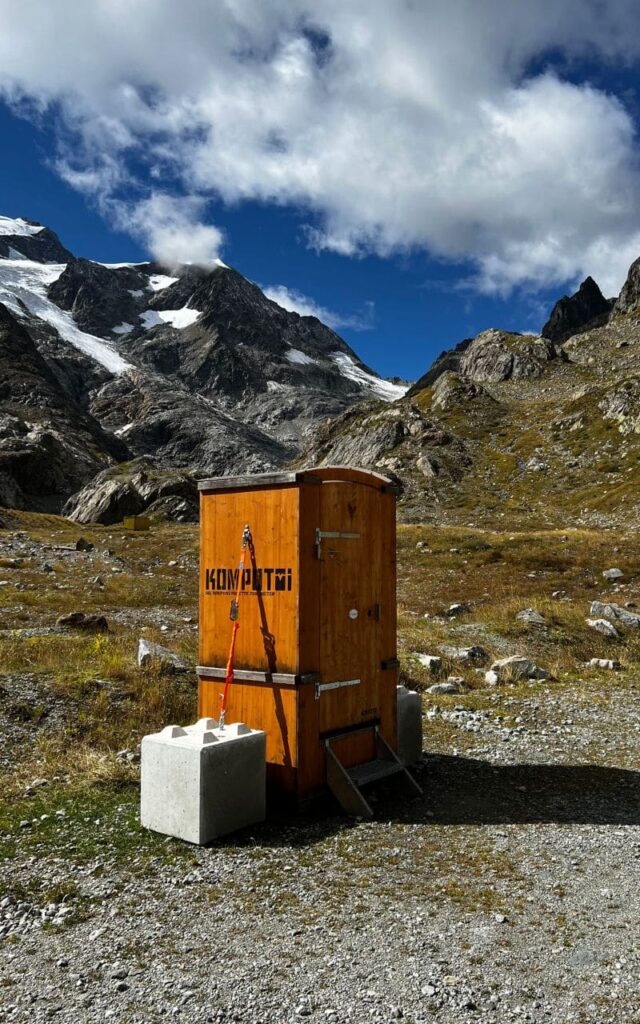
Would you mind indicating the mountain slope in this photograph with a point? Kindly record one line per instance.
(514, 428)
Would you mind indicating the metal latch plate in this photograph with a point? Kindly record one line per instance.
(332, 535)
(338, 684)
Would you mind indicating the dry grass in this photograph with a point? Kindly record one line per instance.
(109, 703)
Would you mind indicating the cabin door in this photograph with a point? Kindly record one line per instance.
(351, 609)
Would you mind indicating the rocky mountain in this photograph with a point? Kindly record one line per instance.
(188, 368)
(515, 428)
(574, 312)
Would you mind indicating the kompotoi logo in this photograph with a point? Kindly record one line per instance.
(254, 581)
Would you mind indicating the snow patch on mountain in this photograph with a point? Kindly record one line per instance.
(294, 355)
(179, 318)
(382, 388)
(159, 281)
(24, 283)
(18, 226)
(123, 328)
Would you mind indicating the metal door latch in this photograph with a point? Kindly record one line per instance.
(321, 687)
(333, 535)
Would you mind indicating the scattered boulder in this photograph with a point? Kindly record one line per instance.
(475, 653)
(87, 623)
(430, 662)
(603, 626)
(608, 663)
(515, 668)
(458, 608)
(614, 611)
(84, 545)
(613, 574)
(444, 688)
(148, 653)
(531, 616)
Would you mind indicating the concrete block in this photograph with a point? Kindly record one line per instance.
(409, 725)
(200, 782)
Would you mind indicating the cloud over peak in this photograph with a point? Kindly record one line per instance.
(395, 125)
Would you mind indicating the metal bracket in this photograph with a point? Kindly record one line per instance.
(332, 535)
(321, 687)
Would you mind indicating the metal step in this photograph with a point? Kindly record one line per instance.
(345, 783)
(373, 771)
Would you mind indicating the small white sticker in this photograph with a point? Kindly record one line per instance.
(353, 613)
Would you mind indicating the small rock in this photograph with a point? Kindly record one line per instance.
(87, 623)
(499, 918)
(603, 626)
(444, 688)
(531, 616)
(608, 663)
(97, 581)
(614, 611)
(458, 608)
(84, 545)
(559, 595)
(47, 567)
(491, 678)
(518, 667)
(430, 662)
(474, 653)
(613, 574)
(148, 652)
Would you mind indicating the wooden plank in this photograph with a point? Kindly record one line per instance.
(238, 483)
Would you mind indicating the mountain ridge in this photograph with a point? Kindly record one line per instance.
(190, 366)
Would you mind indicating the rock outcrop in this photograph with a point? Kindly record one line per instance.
(133, 488)
(573, 313)
(495, 356)
(629, 299)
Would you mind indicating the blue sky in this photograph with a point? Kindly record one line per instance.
(416, 189)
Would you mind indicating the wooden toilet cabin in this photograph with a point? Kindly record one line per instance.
(315, 661)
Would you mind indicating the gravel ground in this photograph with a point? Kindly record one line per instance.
(509, 893)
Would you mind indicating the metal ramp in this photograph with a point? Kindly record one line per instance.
(346, 783)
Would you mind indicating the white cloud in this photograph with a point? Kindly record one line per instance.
(396, 125)
(296, 302)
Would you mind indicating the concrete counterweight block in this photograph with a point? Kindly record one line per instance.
(409, 725)
(202, 782)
